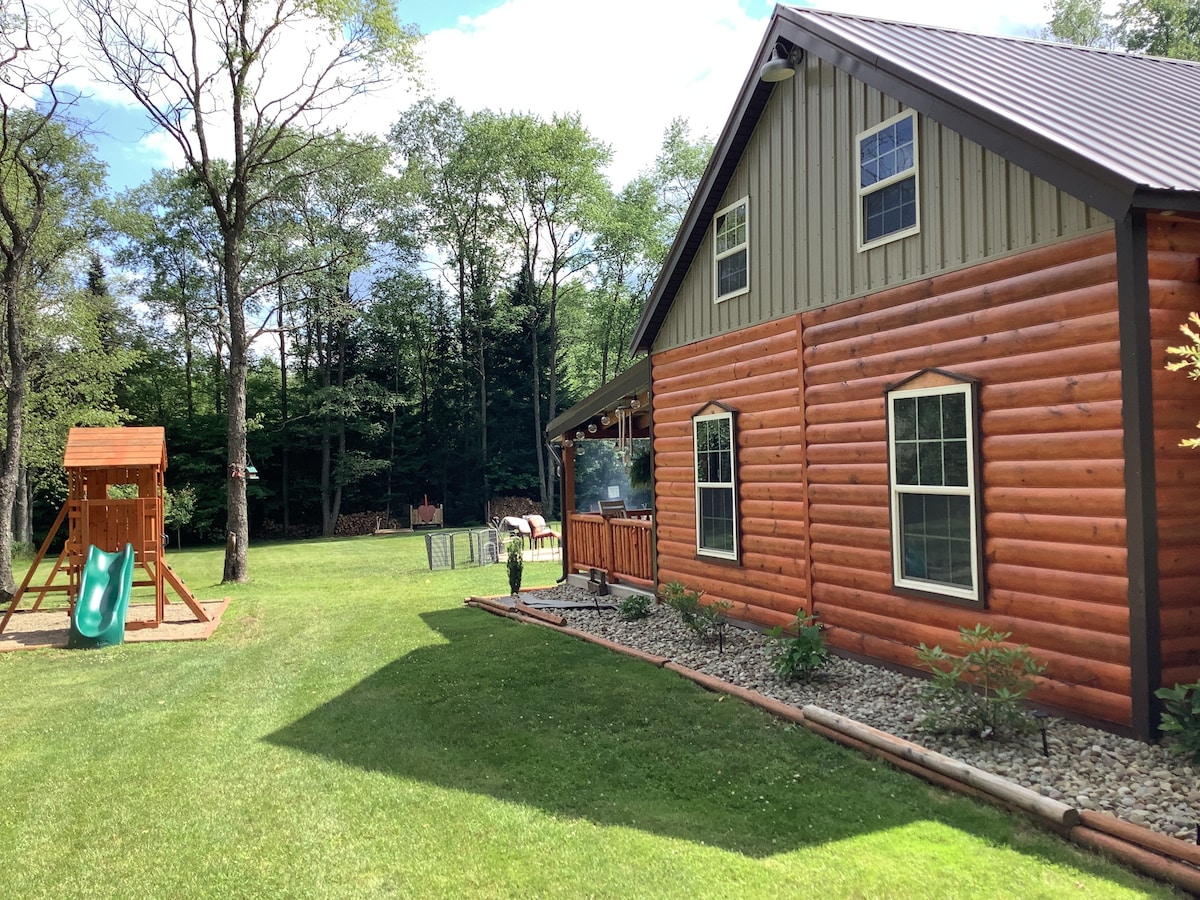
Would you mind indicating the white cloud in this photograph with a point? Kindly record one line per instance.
(626, 66)
(630, 66)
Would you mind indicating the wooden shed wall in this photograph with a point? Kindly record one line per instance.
(757, 373)
(799, 174)
(1176, 411)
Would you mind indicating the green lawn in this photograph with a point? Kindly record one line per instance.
(353, 731)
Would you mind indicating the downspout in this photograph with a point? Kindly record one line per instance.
(1141, 505)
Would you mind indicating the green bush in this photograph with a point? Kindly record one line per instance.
(516, 566)
(980, 692)
(699, 618)
(634, 607)
(801, 652)
(1182, 717)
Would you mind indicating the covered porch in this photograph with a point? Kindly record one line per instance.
(617, 540)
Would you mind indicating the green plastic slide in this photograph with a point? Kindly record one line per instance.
(99, 616)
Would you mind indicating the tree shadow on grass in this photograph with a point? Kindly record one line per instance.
(533, 717)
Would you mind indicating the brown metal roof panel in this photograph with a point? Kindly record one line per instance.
(1137, 116)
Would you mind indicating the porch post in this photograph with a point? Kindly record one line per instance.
(568, 503)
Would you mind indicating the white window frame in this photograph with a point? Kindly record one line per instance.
(743, 247)
(861, 193)
(974, 594)
(730, 485)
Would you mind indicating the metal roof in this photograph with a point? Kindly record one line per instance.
(1117, 130)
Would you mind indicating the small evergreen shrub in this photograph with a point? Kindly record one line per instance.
(979, 693)
(635, 607)
(801, 652)
(1181, 717)
(516, 566)
(699, 618)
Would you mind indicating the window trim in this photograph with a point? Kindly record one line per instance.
(712, 412)
(930, 382)
(743, 247)
(862, 193)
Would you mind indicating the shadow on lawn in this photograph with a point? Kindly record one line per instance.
(532, 717)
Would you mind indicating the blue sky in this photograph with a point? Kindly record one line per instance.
(626, 66)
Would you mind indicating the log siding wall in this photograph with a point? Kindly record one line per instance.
(757, 373)
(1173, 295)
(1040, 332)
(798, 171)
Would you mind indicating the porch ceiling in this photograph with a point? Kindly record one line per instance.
(632, 385)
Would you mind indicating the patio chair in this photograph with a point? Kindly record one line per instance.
(539, 531)
(510, 525)
(613, 509)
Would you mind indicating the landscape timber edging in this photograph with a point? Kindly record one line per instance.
(1165, 858)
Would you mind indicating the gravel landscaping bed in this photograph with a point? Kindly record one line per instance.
(1087, 768)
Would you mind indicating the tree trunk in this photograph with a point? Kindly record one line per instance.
(537, 412)
(188, 362)
(238, 526)
(283, 411)
(551, 471)
(326, 477)
(22, 514)
(483, 427)
(10, 462)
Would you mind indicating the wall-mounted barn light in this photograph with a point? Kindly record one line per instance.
(784, 60)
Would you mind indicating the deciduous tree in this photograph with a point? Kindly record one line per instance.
(241, 86)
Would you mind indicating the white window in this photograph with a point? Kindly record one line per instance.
(731, 244)
(935, 506)
(716, 493)
(887, 181)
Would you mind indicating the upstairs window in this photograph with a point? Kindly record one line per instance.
(932, 443)
(887, 181)
(716, 492)
(731, 244)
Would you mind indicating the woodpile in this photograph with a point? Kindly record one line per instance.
(354, 524)
(272, 530)
(499, 507)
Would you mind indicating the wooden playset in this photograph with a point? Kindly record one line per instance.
(95, 460)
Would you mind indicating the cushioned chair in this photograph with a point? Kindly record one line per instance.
(510, 525)
(539, 531)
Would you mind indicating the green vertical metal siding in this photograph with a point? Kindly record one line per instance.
(798, 172)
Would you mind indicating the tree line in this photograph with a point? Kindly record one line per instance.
(360, 321)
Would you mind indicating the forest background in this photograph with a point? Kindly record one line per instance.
(367, 322)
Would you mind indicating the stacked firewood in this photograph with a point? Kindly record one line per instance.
(499, 507)
(352, 524)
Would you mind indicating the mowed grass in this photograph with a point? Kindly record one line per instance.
(353, 731)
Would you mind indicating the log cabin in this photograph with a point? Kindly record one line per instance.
(907, 355)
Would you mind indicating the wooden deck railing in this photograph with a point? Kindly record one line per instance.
(621, 547)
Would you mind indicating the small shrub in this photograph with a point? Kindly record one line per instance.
(1181, 717)
(634, 607)
(516, 566)
(980, 692)
(699, 618)
(799, 655)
